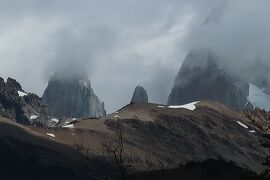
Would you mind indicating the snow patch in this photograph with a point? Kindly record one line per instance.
(252, 131)
(258, 97)
(241, 124)
(55, 120)
(246, 103)
(68, 126)
(21, 94)
(83, 83)
(33, 117)
(161, 106)
(190, 106)
(237, 85)
(50, 134)
(116, 116)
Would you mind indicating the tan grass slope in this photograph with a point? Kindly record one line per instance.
(175, 135)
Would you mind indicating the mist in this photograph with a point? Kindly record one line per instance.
(239, 33)
(125, 43)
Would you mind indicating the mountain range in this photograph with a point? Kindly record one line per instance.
(214, 126)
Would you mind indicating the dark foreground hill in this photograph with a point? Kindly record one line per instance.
(206, 170)
(25, 154)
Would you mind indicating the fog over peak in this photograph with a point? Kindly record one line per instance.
(240, 35)
(124, 43)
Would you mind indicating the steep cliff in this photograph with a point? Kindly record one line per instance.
(201, 78)
(71, 95)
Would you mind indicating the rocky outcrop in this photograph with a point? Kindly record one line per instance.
(71, 95)
(201, 78)
(17, 105)
(139, 95)
(259, 118)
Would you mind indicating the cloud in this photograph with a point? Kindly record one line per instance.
(125, 43)
(120, 43)
(240, 35)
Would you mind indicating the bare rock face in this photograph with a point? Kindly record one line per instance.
(201, 78)
(17, 105)
(139, 95)
(71, 95)
(260, 118)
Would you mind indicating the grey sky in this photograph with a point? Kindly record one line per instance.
(123, 43)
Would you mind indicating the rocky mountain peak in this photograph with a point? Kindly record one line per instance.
(2, 82)
(12, 83)
(70, 75)
(200, 58)
(197, 62)
(139, 95)
(19, 106)
(201, 78)
(71, 95)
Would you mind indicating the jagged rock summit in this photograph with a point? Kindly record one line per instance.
(139, 95)
(17, 105)
(201, 78)
(70, 95)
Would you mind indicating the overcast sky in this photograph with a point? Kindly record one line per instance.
(123, 43)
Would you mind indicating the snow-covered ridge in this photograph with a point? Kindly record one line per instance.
(258, 97)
